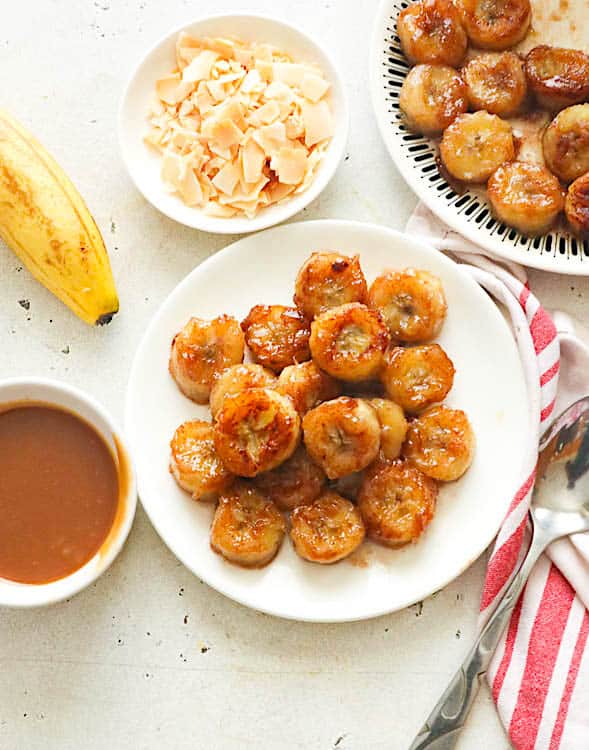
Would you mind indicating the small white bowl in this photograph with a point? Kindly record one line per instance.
(144, 163)
(54, 393)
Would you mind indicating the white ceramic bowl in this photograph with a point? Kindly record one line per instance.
(51, 392)
(144, 163)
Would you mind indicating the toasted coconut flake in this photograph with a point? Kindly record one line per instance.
(313, 87)
(252, 161)
(240, 125)
(317, 120)
(171, 89)
(200, 68)
(290, 165)
(227, 178)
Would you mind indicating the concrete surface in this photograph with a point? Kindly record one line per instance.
(149, 657)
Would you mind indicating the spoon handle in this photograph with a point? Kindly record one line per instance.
(442, 727)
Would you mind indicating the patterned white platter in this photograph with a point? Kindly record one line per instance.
(467, 211)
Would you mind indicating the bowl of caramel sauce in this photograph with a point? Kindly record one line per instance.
(67, 491)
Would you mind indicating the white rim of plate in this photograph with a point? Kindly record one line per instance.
(220, 587)
(416, 159)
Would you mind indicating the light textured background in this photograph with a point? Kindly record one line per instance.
(149, 657)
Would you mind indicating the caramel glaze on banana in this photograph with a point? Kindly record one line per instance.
(327, 530)
(495, 24)
(557, 76)
(256, 430)
(247, 527)
(432, 96)
(430, 31)
(577, 205)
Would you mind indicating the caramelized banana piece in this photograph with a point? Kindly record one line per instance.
(495, 82)
(277, 336)
(298, 481)
(342, 436)
(327, 530)
(577, 205)
(393, 427)
(307, 386)
(495, 24)
(348, 342)
(525, 196)
(440, 443)
(430, 31)
(432, 96)
(558, 77)
(566, 143)
(194, 462)
(256, 430)
(201, 351)
(411, 302)
(239, 378)
(418, 376)
(328, 280)
(247, 528)
(397, 502)
(475, 145)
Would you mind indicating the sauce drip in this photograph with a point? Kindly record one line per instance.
(59, 492)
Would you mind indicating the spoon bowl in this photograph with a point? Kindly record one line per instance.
(560, 502)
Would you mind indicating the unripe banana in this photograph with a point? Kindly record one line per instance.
(44, 220)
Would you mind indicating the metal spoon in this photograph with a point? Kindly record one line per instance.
(560, 506)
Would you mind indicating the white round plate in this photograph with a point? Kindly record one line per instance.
(416, 156)
(144, 163)
(489, 386)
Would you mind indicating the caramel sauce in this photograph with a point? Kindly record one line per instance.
(60, 493)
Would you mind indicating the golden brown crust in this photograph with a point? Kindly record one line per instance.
(577, 205)
(202, 350)
(327, 530)
(277, 336)
(194, 462)
(307, 386)
(342, 436)
(495, 24)
(431, 31)
(247, 528)
(298, 481)
(239, 378)
(348, 342)
(328, 280)
(558, 76)
(256, 430)
(397, 502)
(495, 82)
(411, 302)
(566, 143)
(475, 145)
(440, 443)
(417, 376)
(525, 196)
(432, 96)
(393, 427)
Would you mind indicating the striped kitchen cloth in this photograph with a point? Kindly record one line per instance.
(539, 675)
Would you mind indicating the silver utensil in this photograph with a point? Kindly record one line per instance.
(560, 506)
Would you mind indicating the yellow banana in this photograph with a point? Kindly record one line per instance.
(44, 220)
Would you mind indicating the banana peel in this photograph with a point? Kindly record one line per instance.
(45, 221)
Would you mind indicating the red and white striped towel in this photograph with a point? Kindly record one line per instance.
(539, 675)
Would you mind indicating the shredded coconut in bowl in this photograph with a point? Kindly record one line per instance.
(239, 125)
